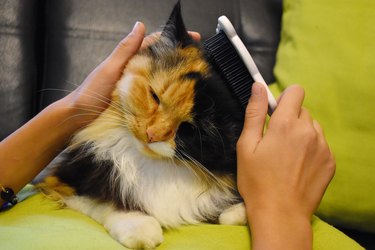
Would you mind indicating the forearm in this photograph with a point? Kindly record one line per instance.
(279, 230)
(28, 150)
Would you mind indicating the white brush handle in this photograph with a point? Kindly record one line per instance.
(225, 25)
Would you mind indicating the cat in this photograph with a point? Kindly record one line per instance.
(163, 154)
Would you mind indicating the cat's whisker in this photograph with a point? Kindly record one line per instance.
(104, 100)
(73, 84)
(121, 112)
(93, 94)
(199, 167)
(87, 121)
(189, 166)
(220, 183)
(99, 110)
(200, 139)
(115, 120)
(55, 89)
(216, 131)
(101, 98)
(95, 112)
(115, 114)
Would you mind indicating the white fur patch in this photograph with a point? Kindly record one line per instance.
(125, 83)
(169, 191)
(162, 148)
(132, 229)
(97, 211)
(135, 230)
(234, 215)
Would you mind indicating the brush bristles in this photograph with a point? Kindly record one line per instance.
(225, 59)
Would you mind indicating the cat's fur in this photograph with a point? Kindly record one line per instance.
(163, 153)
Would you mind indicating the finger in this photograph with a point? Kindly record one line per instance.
(195, 35)
(280, 97)
(150, 39)
(320, 131)
(255, 115)
(318, 128)
(127, 47)
(291, 101)
(305, 115)
(324, 142)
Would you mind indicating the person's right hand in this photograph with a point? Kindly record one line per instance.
(285, 171)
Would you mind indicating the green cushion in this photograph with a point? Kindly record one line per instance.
(37, 223)
(328, 47)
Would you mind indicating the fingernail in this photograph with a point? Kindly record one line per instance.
(256, 89)
(136, 25)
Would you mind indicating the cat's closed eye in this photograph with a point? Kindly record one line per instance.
(155, 96)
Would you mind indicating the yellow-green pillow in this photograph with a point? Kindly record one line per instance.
(328, 46)
(37, 223)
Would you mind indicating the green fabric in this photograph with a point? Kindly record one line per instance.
(329, 48)
(37, 223)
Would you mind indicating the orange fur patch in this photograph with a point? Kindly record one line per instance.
(55, 190)
(137, 110)
(176, 94)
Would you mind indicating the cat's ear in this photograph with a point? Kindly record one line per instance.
(175, 30)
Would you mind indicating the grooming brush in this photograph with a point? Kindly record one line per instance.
(227, 53)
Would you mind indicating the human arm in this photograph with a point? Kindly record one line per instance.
(282, 173)
(29, 149)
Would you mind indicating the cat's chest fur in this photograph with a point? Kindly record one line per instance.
(170, 191)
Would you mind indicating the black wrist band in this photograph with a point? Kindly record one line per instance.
(8, 195)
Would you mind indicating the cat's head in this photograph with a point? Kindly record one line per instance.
(176, 106)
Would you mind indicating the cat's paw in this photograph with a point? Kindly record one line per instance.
(234, 215)
(135, 230)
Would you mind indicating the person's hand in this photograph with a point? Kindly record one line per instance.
(28, 150)
(284, 172)
(94, 95)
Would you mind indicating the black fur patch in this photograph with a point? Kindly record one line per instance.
(175, 28)
(218, 121)
(90, 177)
(218, 118)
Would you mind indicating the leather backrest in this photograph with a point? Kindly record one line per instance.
(18, 63)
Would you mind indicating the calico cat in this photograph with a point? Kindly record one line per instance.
(163, 153)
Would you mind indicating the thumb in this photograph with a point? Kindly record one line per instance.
(255, 114)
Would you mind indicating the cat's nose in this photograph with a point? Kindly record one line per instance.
(150, 135)
(156, 135)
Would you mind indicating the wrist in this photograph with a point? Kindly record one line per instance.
(271, 203)
(81, 110)
(29, 149)
(278, 215)
(64, 116)
(276, 228)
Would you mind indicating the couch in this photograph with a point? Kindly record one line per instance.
(47, 47)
